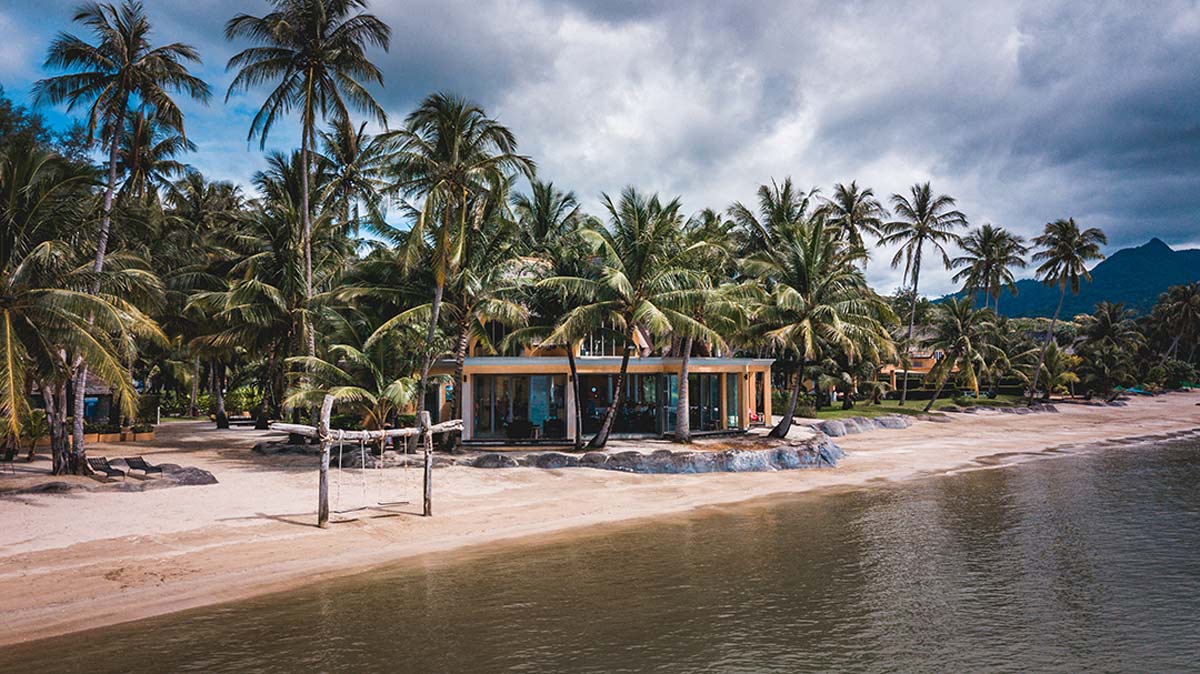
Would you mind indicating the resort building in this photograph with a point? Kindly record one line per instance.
(920, 365)
(528, 397)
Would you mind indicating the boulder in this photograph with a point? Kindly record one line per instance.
(593, 459)
(832, 428)
(186, 475)
(494, 460)
(553, 460)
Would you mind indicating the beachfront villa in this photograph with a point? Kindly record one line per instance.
(921, 363)
(527, 396)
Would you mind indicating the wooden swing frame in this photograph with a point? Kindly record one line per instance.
(424, 430)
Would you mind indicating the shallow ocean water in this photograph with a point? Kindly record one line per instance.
(1085, 562)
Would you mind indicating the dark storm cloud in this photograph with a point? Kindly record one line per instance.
(1024, 111)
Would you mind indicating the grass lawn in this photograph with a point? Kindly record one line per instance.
(913, 407)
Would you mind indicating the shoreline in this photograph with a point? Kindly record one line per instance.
(203, 547)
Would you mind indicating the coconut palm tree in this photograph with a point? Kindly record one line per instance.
(148, 157)
(1064, 251)
(718, 309)
(448, 152)
(1178, 310)
(779, 206)
(47, 307)
(120, 72)
(815, 300)
(961, 336)
(550, 223)
(640, 281)
(854, 212)
(314, 53)
(923, 218)
(991, 253)
(1111, 324)
(352, 168)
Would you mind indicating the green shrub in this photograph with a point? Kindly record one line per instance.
(102, 428)
(1176, 373)
(243, 399)
(143, 428)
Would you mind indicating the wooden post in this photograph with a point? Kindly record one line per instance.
(427, 438)
(323, 485)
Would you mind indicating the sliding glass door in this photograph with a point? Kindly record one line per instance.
(520, 407)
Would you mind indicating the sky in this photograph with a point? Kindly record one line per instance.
(1025, 112)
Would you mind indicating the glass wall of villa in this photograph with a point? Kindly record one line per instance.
(651, 401)
(519, 407)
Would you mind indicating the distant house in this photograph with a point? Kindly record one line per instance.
(526, 396)
(97, 399)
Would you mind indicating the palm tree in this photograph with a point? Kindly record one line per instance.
(990, 255)
(147, 157)
(448, 152)
(1111, 324)
(314, 51)
(47, 308)
(1179, 310)
(352, 166)
(961, 336)
(122, 70)
(853, 212)
(815, 300)
(640, 282)
(779, 206)
(924, 218)
(716, 311)
(1064, 251)
(550, 222)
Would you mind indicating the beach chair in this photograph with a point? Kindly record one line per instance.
(100, 465)
(138, 463)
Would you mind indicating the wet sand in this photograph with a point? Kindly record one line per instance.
(88, 559)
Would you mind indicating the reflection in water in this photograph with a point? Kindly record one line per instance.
(1077, 563)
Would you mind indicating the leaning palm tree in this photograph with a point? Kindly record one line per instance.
(962, 338)
(314, 51)
(120, 72)
(448, 152)
(991, 253)
(815, 300)
(925, 218)
(854, 212)
(640, 283)
(1064, 251)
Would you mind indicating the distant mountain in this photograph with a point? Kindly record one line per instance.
(1135, 276)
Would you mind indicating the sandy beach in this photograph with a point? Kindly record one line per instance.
(88, 559)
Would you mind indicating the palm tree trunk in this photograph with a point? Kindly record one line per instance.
(941, 385)
(79, 454)
(60, 445)
(912, 319)
(1170, 350)
(1062, 295)
(219, 393)
(683, 420)
(575, 395)
(427, 361)
(601, 439)
(785, 424)
(460, 357)
(194, 399)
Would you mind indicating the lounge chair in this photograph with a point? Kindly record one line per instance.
(138, 463)
(100, 465)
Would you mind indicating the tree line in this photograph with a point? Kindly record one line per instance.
(359, 259)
